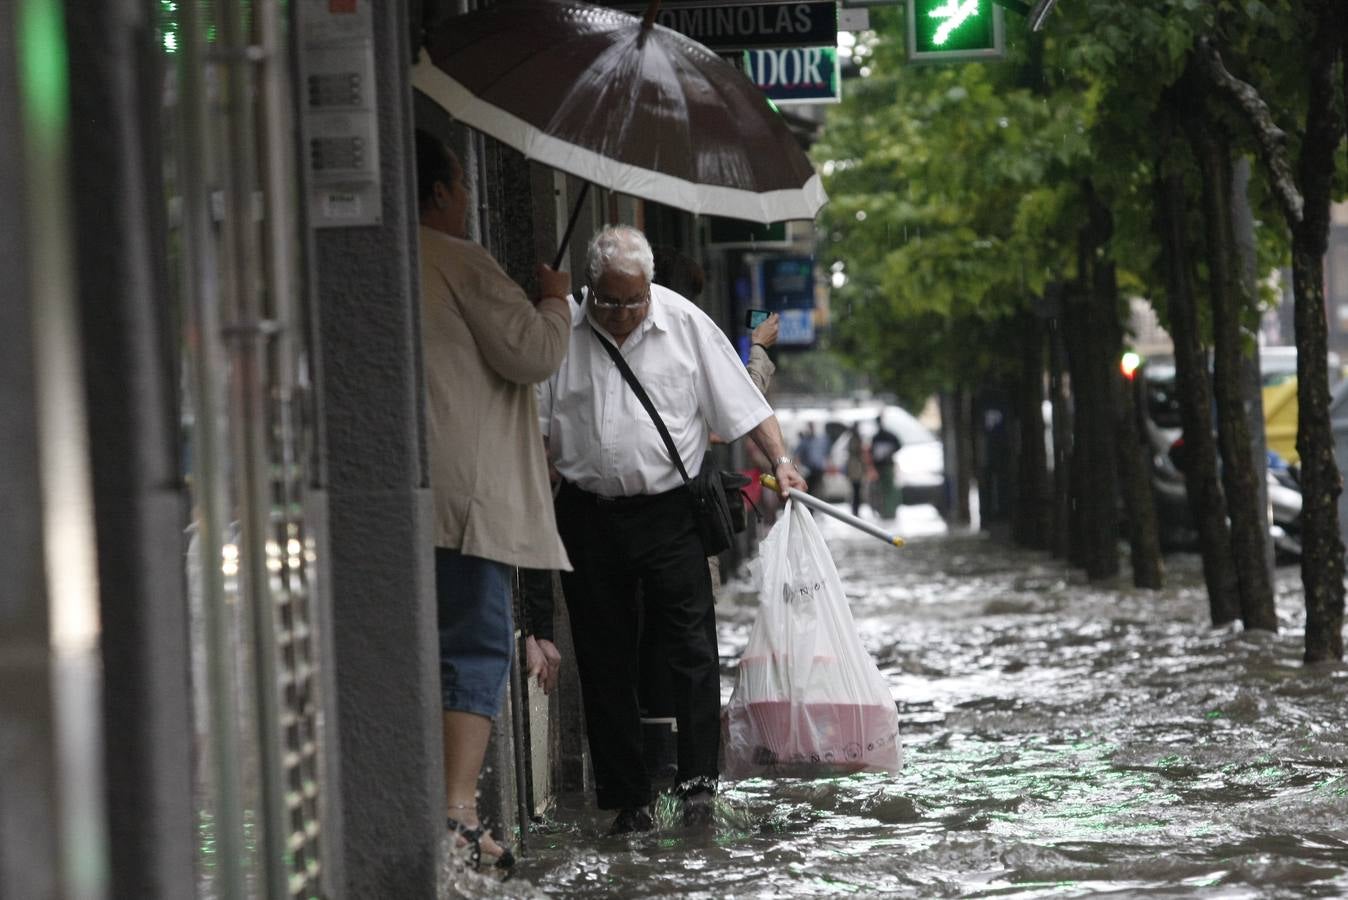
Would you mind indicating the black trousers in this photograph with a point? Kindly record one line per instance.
(617, 546)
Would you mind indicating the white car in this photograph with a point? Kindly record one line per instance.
(920, 469)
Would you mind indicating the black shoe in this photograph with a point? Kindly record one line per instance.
(698, 809)
(502, 864)
(473, 836)
(635, 818)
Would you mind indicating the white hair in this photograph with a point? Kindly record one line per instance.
(622, 249)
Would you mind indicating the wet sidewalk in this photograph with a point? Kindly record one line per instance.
(1061, 740)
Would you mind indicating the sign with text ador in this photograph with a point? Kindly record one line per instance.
(742, 26)
(796, 74)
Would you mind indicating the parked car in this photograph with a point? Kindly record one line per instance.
(920, 469)
(1164, 435)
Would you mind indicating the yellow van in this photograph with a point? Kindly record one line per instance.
(1278, 374)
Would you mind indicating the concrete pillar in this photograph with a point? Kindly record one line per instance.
(51, 810)
(28, 773)
(132, 411)
(380, 545)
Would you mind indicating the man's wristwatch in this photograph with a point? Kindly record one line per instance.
(782, 461)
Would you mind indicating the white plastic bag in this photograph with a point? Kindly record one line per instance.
(808, 699)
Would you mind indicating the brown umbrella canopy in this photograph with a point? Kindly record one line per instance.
(656, 115)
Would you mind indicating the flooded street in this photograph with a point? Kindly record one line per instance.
(1060, 739)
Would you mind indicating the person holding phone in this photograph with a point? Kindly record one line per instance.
(764, 329)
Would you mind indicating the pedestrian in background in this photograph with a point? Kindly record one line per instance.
(683, 275)
(760, 365)
(627, 518)
(885, 446)
(857, 466)
(812, 451)
(485, 345)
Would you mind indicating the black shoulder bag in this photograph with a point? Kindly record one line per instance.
(716, 496)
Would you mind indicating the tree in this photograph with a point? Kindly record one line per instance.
(937, 177)
(1227, 302)
(1304, 193)
(1207, 502)
(959, 197)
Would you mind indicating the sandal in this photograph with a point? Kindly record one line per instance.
(472, 835)
(503, 864)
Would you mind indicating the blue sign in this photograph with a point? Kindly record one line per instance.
(788, 283)
(797, 328)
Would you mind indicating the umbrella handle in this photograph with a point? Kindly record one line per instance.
(770, 482)
(571, 226)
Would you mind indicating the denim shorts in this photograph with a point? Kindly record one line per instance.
(477, 636)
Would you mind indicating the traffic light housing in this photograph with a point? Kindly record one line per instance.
(948, 30)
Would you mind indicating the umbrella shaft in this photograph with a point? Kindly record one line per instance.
(828, 509)
(571, 225)
(649, 19)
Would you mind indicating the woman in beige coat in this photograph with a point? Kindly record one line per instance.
(486, 345)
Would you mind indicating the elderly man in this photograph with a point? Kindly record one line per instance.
(626, 518)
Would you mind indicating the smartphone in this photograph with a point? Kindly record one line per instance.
(755, 317)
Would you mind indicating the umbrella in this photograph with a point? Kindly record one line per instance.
(629, 105)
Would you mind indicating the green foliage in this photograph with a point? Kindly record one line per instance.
(957, 189)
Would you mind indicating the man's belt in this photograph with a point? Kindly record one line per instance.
(635, 501)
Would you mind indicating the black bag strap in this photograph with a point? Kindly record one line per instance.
(630, 377)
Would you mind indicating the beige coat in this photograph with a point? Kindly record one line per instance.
(486, 346)
(760, 368)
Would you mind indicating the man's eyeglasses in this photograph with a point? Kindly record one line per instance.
(635, 302)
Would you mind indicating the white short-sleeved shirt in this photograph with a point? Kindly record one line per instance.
(600, 437)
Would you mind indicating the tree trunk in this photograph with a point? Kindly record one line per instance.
(964, 447)
(1079, 457)
(1322, 547)
(992, 417)
(1249, 523)
(1252, 384)
(1134, 482)
(958, 456)
(1094, 466)
(1093, 376)
(1031, 522)
(1207, 504)
(1062, 430)
(1144, 538)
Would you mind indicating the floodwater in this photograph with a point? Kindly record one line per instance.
(1061, 739)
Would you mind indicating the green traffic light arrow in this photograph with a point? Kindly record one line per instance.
(955, 13)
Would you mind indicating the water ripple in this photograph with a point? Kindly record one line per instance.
(1062, 739)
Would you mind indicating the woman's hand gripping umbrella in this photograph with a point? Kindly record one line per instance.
(770, 482)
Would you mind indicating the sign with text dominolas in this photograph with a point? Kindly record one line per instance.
(749, 25)
(796, 74)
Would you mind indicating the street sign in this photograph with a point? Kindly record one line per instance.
(854, 19)
(796, 328)
(787, 283)
(948, 30)
(744, 26)
(797, 74)
(738, 231)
